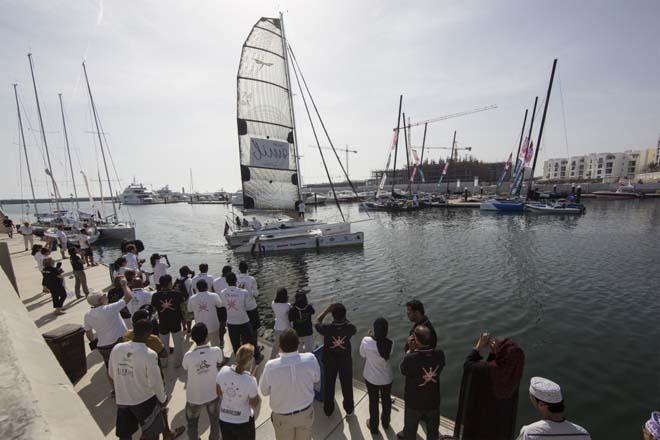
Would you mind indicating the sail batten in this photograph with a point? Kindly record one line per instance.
(269, 169)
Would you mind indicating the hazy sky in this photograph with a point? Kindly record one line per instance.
(164, 78)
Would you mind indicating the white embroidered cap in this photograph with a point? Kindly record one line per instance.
(545, 390)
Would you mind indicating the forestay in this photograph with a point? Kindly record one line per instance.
(265, 127)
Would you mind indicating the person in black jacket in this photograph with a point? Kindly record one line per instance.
(336, 357)
(416, 315)
(422, 366)
(55, 284)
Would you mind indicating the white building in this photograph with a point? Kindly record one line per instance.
(604, 167)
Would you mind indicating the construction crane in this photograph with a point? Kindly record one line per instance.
(455, 158)
(345, 150)
(450, 116)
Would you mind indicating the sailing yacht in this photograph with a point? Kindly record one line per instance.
(270, 169)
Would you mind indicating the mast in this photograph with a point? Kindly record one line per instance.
(43, 134)
(421, 160)
(68, 152)
(545, 112)
(396, 146)
(291, 110)
(27, 160)
(98, 132)
(522, 133)
(522, 163)
(451, 156)
(405, 140)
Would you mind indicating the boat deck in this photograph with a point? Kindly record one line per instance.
(94, 390)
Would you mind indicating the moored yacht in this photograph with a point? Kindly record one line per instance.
(136, 194)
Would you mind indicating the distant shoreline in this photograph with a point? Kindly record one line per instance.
(79, 199)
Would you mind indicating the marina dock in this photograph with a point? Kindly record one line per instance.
(47, 406)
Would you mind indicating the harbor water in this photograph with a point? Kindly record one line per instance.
(579, 294)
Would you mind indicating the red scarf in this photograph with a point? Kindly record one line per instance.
(507, 368)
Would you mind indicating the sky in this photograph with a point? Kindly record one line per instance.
(163, 75)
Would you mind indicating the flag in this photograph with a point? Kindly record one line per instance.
(523, 150)
(444, 170)
(530, 155)
(416, 160)
(507, 165)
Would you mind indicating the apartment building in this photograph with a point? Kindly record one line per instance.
(604, 167)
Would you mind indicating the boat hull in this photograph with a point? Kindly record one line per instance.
(240, 238)
(502, 205)
(117, 233)
(542, 208)
(293, 242)
(615, 195)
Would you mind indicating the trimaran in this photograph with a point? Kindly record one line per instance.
(268, 149)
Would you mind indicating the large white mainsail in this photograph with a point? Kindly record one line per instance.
(266, 137)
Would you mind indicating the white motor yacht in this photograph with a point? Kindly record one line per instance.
(136, 194)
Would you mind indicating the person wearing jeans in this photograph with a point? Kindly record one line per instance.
(202, 364)
(376, 348)
(422, 366)
(167, 303)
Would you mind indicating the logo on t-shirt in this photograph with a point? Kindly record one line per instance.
(203, 307)
(203, 366)
(338, 342)
(231, 304)
(429, 376)
(167, 304)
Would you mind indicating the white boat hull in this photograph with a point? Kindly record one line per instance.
(291, 242)
(241, 237)
(117, 232)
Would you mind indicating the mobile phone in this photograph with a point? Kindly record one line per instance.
(58, 265)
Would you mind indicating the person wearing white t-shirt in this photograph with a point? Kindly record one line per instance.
(141, 296)
(289, 381)
(26, 231)
(62, 240)
(247, 282)
(281, 307)
(202, 364)
(238, 322)
(207, 308)
(139, 389)
(547, 399)
(132, 259)
(237, 388)
(203, 275)
(376, 349)
(158, 268)
(220, 283)
(104, 319)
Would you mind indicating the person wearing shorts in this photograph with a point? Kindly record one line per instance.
(139, 389)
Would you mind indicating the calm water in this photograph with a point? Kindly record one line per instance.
(580, 295)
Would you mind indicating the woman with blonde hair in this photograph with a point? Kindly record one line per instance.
(237, 387)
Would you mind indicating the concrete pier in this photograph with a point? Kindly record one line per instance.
(39, 402)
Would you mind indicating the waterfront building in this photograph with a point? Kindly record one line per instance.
(601, 167)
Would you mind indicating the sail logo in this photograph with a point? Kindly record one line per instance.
(268, 153)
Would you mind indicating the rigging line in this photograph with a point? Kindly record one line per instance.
(38, 141)
(295, 62)
(563, 112)
(318, 144)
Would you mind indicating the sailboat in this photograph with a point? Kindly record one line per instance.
(111, 227)
(269, 161)
(514, 204)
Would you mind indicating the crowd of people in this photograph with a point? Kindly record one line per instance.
(131, 326)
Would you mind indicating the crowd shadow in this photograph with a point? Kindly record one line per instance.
(97, 398)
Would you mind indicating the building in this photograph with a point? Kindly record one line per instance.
(464, 170)
(601, 167)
